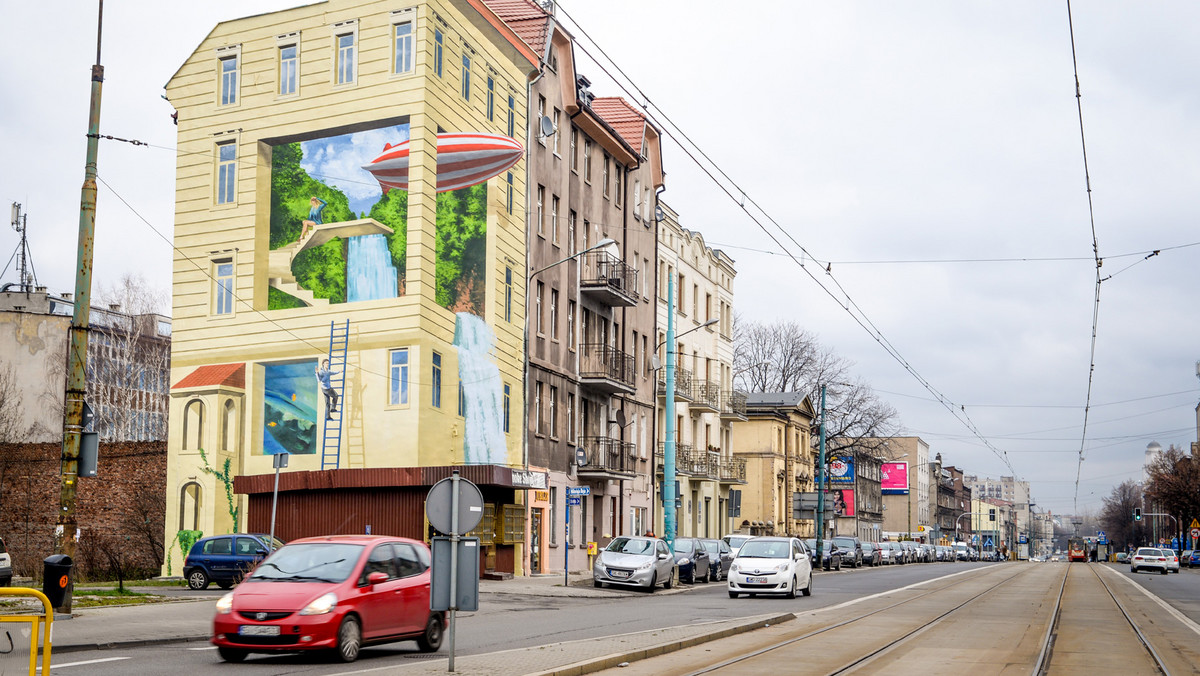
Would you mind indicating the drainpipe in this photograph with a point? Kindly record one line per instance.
(526, 558)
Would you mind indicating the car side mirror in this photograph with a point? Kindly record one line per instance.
(376, 578)
(663, 557)
(260, 552)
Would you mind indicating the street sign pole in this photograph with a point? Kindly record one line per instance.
(280, 460)
(668, 491)
(567, 543)
(454, 479)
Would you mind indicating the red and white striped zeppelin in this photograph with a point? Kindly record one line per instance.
(463, 160)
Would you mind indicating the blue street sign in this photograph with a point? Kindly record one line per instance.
(1102, 538)
(1175, 543)
(988, 542)
(579, 490)
(574, 501)
(1023, 540)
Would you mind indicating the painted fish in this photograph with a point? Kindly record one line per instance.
(464, 159)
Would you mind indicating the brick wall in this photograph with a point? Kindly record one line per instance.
(124, 503)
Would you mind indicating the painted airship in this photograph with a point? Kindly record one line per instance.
(463, 160)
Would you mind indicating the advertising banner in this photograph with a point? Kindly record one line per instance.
(841, 470)
(843, 502)
(894, 478)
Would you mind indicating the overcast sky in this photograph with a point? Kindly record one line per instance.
(913, 145)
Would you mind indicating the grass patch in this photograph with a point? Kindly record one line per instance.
(132, 583)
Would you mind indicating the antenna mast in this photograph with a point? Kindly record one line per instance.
(27, 277)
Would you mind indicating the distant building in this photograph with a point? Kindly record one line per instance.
(776, 444)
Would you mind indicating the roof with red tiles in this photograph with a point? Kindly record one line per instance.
(623, 118)
(530, 22)
(229, 375)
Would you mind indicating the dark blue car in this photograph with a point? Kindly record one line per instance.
(225, 559)
(692, 559)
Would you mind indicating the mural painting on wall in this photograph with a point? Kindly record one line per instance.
(339, 230)
(290, 408)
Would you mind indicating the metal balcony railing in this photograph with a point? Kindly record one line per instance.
(733, 403)
(608, 455)
(610, 278)
(706, 394)
(600, 362)
(683, 383)
(733, 470)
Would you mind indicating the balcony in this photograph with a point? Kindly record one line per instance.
(733, 405)
(683, 383)
(733, 471)
(680, 450)
(706, 395)
(608, 458)
(606, 369)
(608, 279)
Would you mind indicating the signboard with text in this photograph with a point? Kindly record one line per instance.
(894, 478)
(841, 470)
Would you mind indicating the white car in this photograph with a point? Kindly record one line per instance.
(771, 565)
(1172, 560)
(1147, 557)
(6, 572)
(735, 541)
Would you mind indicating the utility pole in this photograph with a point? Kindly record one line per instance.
(668, 492)
(821, 484)
(64, 542)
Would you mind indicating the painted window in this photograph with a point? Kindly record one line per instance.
(229, 78)
(226, 172)
(402, 47)
(491, 98)
(435, 381)
(466, 76)
(229, 426)
(193, 425)
(223, 302)
(462, 399)
(507, 401)
(437, 53)
(345, 58)
(189, 506)
(512, 114)
(398, 377)
(289, 57)
(508, 293)
(509, 198)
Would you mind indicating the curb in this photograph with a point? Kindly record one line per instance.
(617, 659)
(117, 645)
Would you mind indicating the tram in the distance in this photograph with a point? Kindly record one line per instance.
(1077, 550)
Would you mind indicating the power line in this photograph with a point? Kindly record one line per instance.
(1146, 255)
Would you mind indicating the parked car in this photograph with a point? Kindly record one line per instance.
(961, 552)
(1172, 560)
(334, 593)
(945, 553)
(691, 558)
(910, 551)
(771, 565)
(899, 555)
(635, 562)
(872, 553)
(6, 572)
(831, 556)
(1122, 557)
(1194, 559)
(736, 541)
(851, 548)
(1147, 557)
(225, 559)
(720, 557)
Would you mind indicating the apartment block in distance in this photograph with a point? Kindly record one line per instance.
(350, 185)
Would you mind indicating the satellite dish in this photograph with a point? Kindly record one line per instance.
(654, 363)
(547, 126)
(619, 418)
(658, 212)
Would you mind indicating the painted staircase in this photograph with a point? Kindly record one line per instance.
(279, 261)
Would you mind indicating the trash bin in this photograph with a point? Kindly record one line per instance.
(56, 578)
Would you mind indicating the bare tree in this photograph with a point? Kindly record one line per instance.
(1116, 516)
(784, 357)
(1171, 484)
(12, 410)
(143, 524)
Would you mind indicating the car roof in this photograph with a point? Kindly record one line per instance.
(355, 539)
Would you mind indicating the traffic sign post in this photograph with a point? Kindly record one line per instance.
(452, 505)
(574, 497)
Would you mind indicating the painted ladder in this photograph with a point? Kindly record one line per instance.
(331, 440)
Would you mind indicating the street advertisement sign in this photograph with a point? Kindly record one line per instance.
(894, 478)
(841, 470)
(843, 502)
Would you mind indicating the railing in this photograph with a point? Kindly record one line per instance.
(603, 271)
(694, 462)
(605, 454)
(733, 402)
(733, 469)
(680, 450)
(683, 382)
(597, 360)
(706, 393)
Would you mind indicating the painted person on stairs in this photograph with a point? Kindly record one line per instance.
(317, 205)
(331, 395)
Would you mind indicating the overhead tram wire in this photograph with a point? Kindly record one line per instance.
(1145, 255)
(861, 319)
(1095, 253)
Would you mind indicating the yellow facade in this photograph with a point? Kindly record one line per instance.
(780, 461)
(218, 229)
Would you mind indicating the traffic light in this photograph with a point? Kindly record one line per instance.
(1137, 513)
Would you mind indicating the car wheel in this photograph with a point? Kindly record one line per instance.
(1165, 571)
(808, 590)
(1133, 569)
(431, 640)
(231, 654)
(198, 579)
(733, 595)
(597, 584)
(670, 580)
(752, 595)
(349, 639)
(706, 576)
(225, 584)
(791, 593)
(653, 581)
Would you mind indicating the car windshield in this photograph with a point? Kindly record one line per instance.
(847, 543)
(1148, 552)
(310, 562)
(766, 549)
(711, 546)
(630, 546)
(868, 546)
(735, 540)
(684, 546)
(274, 543)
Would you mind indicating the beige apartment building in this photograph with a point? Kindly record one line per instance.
(775, 441)
(706, 404)
(910, 511)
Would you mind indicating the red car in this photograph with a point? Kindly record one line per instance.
(334, 593)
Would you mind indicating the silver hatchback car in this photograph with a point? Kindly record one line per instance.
(635, 562)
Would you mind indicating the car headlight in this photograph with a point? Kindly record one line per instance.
(321, 605)
(782, 567)
(684, 561)
(646, 566)
(225, 604)
(733, 567)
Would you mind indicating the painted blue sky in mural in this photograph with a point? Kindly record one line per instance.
(337, 161)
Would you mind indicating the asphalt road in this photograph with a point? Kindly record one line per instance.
(505, 621)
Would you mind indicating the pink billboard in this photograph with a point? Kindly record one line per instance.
(843, 502)
(894, 478)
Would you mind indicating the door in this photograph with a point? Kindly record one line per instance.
(665, 566)
(535, 542)
(377, 604)
(412, 588)
(218, 558)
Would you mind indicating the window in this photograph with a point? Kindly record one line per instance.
(554, 218)
(491, 98)
(541, 220)
(541, 114)
(466, 75)
(604, 176)
(227, 70)
(435, 382)
(189, 506)
(557, 117)
(553, 314)
(571, 232)
(402, 43)
(437, 53)
(344, 59)
(289, 57)
(696, 302)
(193, 425)
(229, 426)
(508, 293)
(507, 401)
(646, 278)
(618, 183)
(224, 287)
(541, 292)
(409, 560)
(571, 325)
(509, 198)
(708, 307)
(537, 409)
(645, 360)
(553, 412)
(226, 172)
(587, 160)
(398, 377)
(574, 148)
(553, 516)
(512, 114)
(571, 417)
(637, 198)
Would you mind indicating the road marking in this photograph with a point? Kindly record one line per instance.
(208, 647)
(845, 604)
(1187, 621)
(80, 664)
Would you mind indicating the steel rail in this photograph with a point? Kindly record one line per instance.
(1162, 667)
(1043, 659)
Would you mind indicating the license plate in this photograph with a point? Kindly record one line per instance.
(756, 580)
(619, 573)
(258, 630)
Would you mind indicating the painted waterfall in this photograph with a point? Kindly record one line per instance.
(483, 441)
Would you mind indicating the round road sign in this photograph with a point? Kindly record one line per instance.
(1196, 532)
(438, 505)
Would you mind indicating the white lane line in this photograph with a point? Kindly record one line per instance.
(885, 593)
(208, 647)
(1184, 619)
(80, 664)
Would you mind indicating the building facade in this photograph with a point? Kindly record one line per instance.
(909, 514)
(350, 183)
(705, 403)
(775, 441)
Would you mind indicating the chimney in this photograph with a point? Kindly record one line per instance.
(115, 307)
(67, 297)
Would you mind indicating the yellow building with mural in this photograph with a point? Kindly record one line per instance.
(350, 187)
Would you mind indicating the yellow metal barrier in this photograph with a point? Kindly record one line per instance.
(35, 625)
